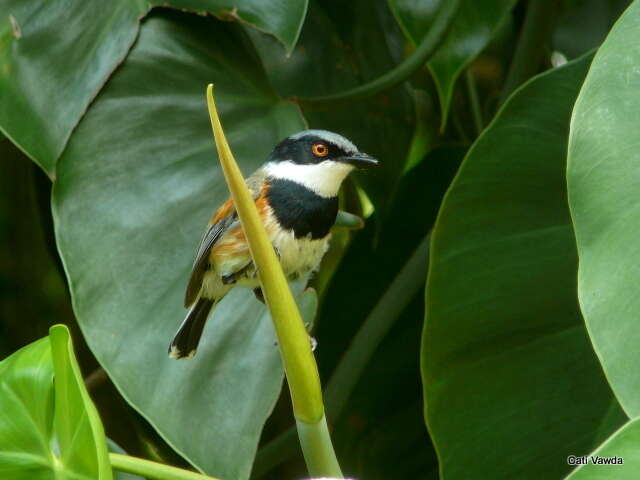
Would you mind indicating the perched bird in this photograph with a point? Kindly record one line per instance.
(296, 193)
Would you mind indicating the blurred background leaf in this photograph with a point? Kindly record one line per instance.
(473, 28)
(33, 292)
(504, 347)
(584, 24)
(360, 43)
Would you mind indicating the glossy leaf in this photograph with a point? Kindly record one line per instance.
(79, 432)
(357, 46)
(623, 445)
(473, 28)
(281, 18)
(46, 432)
(603, 177)
(505, 353)
(26, 427)
(41, 100)
(130, 204)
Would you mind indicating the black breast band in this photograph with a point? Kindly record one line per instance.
(300, 209)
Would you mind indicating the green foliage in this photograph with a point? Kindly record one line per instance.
(156, 175)
(623, 444)
(356, 48)
(500, 373)
(473, 28)
(298, 361)
(30, 36)
(503, 336)
(603, 174)
(49, 430)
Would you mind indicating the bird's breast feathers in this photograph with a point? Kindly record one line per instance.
(298, 255)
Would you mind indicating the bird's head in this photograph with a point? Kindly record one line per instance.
(318, 159)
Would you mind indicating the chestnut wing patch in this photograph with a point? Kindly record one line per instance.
(224, 217)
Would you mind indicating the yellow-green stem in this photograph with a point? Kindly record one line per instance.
(152, 470)
(317, 449)
(298, 360)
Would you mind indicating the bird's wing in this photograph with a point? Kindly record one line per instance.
(224, 217)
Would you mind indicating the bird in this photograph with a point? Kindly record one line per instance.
(296, 195)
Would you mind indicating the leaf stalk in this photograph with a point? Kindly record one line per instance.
(427, 48)
(295, 349)
(153, 470)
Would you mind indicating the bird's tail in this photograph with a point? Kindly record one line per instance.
(185, 342)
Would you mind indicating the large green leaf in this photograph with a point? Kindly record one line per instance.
(48, 79)
(79, 432)
(473, 28)
(130, 204)
(358, 44)
(26, 426)
(45, 439)
(603, 176)
(281, 18)
(623, 445)
(506, 360)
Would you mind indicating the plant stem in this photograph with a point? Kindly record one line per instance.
(400, 73)
(476, 111)
(318, 452)
(531, 44)
(152, 470)
(297, 358)
(383, 316)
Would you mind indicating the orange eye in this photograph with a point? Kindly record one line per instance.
(320, 150)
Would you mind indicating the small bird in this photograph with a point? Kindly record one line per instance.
(296, 194)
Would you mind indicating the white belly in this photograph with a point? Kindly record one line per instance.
(299, 256)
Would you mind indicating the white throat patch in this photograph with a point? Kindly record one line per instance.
(323, 178)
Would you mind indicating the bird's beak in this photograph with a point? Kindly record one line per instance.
(360, 160)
